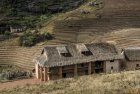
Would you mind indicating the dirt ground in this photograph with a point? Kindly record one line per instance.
(125, 8)
(17, 83)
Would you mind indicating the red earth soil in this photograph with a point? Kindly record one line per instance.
(21, 83)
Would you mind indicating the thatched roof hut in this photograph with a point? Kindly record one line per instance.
(132, 53)
(51, 55)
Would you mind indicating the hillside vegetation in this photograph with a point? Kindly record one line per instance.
(117, 83)
(32, 13)
(85, 23)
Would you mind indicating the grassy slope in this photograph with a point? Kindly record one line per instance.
(118, 83)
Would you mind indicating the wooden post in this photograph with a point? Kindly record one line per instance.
(60, 72)
(48, 74)
(75, 70)
(37, 69)
(89, 68)
(104, 66)
(45, 74)
(41, 74)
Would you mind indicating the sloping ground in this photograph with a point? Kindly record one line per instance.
(89, 30)
(120, 8)
(20, 56)
(116, 15)
(116, 83)
(6, 55)
(125, 38)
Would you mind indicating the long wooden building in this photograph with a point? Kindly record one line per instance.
(62, 61)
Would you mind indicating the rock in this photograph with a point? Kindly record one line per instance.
(84, 12)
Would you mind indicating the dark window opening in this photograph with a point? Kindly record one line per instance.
(66, 54)
(111, 60)
(82, 65)
(112, 68)
(99, 70)
(33, 70)
(87, 53)
(64, 75)
(99, 64)
(137, 65)
(86, 72)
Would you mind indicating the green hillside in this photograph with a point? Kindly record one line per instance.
(33, 12)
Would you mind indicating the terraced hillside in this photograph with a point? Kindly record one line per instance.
(125, 38)
(88, 30)
(121, 9)
(20, 56)
(116, 16)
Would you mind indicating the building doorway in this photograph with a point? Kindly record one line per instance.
(98, 66)
(64, 75)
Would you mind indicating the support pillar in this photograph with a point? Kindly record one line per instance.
(60, 72)
(89, 68)
(45, 74)
(37, 69)
(41, 74)
(48, 74)
(104, 67)
(75, 71)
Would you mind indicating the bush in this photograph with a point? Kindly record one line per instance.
(7, 34)
(11, 75)
(27, 40)
(30, 39)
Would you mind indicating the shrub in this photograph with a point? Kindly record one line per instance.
(7, 34)
(11, 75)
(30, 39)
(27, 40)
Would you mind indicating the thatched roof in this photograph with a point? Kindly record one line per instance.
(100, 52)
(132, 53)
(81, 47)
(62, 49)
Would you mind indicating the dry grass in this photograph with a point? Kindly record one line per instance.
(118, 83)
(124, 38)
(9, 42)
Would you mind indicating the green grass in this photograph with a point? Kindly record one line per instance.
(117, 83)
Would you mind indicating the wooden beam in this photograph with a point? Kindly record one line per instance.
(60, 72)
(37, 69)
(41, 74)
(89, 68)
(104, 66)
(75, 70)
(48, 74)
(45, 74)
